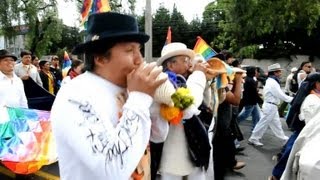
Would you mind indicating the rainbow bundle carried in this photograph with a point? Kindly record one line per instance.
(27, 141)
(93, 6)
(66, 64)
(201, 47)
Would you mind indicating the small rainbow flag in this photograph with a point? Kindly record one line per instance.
(66, 60)
(93, 6)
(204, 49)
(27, 141)
(66, 64)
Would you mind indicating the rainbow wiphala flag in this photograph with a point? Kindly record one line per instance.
(204, 49)
(27, 141)
(93, 6)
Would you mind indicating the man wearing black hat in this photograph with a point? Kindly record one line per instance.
(102, 133)
(11, 91)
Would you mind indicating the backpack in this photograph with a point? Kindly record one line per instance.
(294, 86)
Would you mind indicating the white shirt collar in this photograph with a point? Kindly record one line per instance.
(3, 76)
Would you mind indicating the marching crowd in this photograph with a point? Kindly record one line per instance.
(108, 124)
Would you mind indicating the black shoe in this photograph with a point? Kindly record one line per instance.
(239, 149)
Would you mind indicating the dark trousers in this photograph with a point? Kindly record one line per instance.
(282, 162)
(223, 155)
(156, 152)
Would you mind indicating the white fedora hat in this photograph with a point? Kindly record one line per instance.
(274, 67)
(174, 49)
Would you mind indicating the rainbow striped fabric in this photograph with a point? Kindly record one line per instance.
(27, 142)
(204, 49)
(93, 6)
(66, 64)
(66, 60)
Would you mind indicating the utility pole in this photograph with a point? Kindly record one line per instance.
(148, 29)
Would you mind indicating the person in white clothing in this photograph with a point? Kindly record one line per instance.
(101, 119)
(304, 159)
(270, 116)
(288, 81)
(287, 90)
(11, 87)
(175, 162)
(26, 69)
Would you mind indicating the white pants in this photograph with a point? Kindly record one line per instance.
(197, 174)
(270, 118)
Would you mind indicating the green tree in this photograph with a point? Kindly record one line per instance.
(263, 28)
(195, 29)
(160, 24)
(179, 26)
(209, 26)
(40, 18)
(70, 37)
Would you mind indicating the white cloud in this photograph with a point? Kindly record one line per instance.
(68, 13)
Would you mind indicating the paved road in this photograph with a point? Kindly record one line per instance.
(259, 159)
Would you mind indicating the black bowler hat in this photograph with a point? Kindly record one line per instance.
(110, 27)
(4, 53)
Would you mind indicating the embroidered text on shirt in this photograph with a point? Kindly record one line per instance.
(101, 140)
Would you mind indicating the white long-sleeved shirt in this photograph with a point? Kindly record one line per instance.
(12, 92)
(288, 83)
(310, 107)
(273, 94)
(22, 70)
(92, 142)
(304, 160)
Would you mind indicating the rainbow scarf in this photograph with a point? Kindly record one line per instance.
(26, 142)
(201, 47)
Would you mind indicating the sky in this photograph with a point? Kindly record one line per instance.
(189, 8)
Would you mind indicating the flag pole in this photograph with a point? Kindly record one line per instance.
(148, 29)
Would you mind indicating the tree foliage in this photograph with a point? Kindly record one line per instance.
(251, 28)
(40, 18)
(160, 24)
(265, 28)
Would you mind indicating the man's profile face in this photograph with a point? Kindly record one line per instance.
(307, 68)
(55, 61)
(181, 65)
(7, 64)
(278, 73)
(124, 58)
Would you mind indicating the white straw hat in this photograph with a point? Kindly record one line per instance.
(274, 67)
(174, 49)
